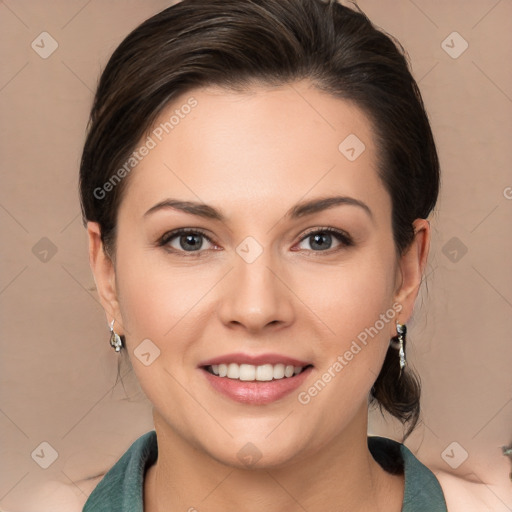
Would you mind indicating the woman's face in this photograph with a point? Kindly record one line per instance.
(259, 285)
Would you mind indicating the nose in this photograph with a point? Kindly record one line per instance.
(256, 296)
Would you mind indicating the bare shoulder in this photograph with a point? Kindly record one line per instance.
(56, 496)
(464, 495)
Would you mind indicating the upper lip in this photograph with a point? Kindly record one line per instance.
(255, 360)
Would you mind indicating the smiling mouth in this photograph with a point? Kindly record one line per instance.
(256, 373)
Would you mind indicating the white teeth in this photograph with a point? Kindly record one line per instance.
(278, 371)
(264, 372)
(233, 371)
(249, 372)
(289, 370)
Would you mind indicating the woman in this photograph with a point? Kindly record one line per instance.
(256, 183)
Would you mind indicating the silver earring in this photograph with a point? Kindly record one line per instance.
(507, 450)
(399, 343)
(115, 339)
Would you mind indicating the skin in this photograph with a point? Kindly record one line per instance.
(254, 156)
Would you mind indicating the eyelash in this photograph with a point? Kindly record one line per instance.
(342, 236)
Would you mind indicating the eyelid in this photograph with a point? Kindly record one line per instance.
(169, 235)
(340, 232)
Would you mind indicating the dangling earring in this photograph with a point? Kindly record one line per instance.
(115, 339)
(399, 343)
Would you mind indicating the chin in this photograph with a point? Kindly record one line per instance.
(253, 457)
(257, 451)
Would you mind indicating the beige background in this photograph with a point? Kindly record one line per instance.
(57, 369)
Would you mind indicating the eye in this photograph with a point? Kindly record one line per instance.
(187, 240)
(321, 238)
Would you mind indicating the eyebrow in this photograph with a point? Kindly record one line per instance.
(301, 209)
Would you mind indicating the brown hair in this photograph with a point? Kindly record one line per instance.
(239, 43)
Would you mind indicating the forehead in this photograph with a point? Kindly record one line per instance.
(257, 148)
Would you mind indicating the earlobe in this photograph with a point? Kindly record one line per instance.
(411, 267)
(104, 274)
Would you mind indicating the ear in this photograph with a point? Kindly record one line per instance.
(411, 267)
(103, 270)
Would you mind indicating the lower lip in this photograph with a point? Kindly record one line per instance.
(256, 392)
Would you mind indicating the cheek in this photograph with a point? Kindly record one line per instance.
(355, 294)
(162, 304)
(358, 312)
(158, 301)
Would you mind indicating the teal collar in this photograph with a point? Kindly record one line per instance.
(121, 489)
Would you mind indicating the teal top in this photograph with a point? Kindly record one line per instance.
(122, 488)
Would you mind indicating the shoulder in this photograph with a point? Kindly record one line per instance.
(463, 495)
(128, 474)
(57, 496)
(422, 491)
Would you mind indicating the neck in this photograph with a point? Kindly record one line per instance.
(341, 476)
